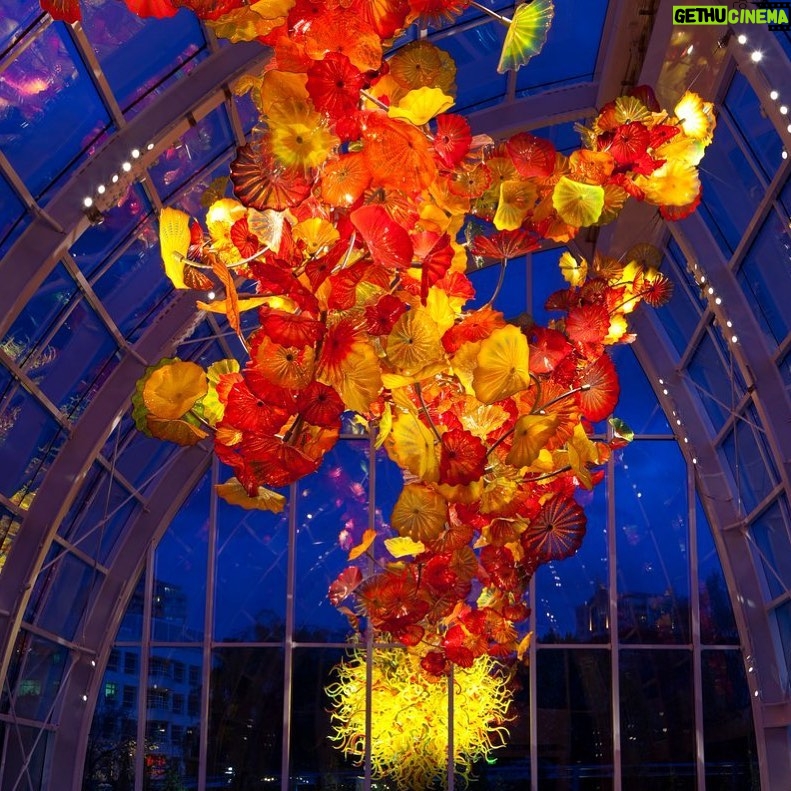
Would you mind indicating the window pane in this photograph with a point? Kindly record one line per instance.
(728, 733)
(755, 126)
(637, 405)
(717, 624)
(252, 562)
(657, 721)
(574, 719)
(572, 598)
(727, 172)
(765, 277)
(750, 460)
(771, 535)
(680, 316)
(652, 536)
(180, 570)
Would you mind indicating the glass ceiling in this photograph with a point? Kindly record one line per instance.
(90, 307)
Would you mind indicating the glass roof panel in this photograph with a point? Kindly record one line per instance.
(11, 211)
(773, 544)
(48, 102)
(99, 241)
(30, 442)
(99, 514)
(727, 170)
(81, 351)
(40, 312)
(638, 405)
(17, 18)
(477, 54)
(570, 52)
(134, 284)
(754, 125)
(681, 314)
(564, 137)
(765, 277)
(203, 143)
(138, 55)
(717, 624)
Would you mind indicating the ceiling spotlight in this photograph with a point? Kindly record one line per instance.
(135, 153)
(211, 295)
(783, 109)
(784, 154)
(756, 56)
(734, 338)
(741, 38)
(87, 202)
(773, 95)
(114, 179)
(126, 167)
(149, 147)
(101, 189)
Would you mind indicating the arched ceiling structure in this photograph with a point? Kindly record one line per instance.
(84, 309)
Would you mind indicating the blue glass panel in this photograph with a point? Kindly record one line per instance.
(652, 541)
(53, 106)
(29, 445)
(569, 54)
(17, 17)
(197, 148)
(131, 628)
(110, 757)
(785, 369)
(724, 173)
(728, 733)
(135, 283)
(716, 385)
(180, 570)
(755, 126)
(248, 112)
(782, 616)
(749, 459)
(41, 310)
(142, 459)
(26, 753)
(477, 53)
(572, 598)
(681, 314)
(99, 241)
(252, 563)
(35, 675)
(545, 279)
(717, 624)
(657, 721)
(332, 514)
(637, 405)
(785, 196)
(137, 54)
(12, 210)
(189, 199)
(62, 593)
(575, 749)
(511, 298)
(765, 277)
(84, 356)
(564, 137)
(245, 717)
(173, 709)
(100, 514)
(771, 533)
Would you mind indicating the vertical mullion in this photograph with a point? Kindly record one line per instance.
(288, 644)
(614, 636)
(142, 691)
(208, 630)
(697, 656)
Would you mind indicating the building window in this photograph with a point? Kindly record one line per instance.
(110, 690)
(29, 686)
(130, 663)
(194, 676)
(178, 704)
(158, 666)
(130, 696)
(158, 698)
(113, 659)
(178, 671)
